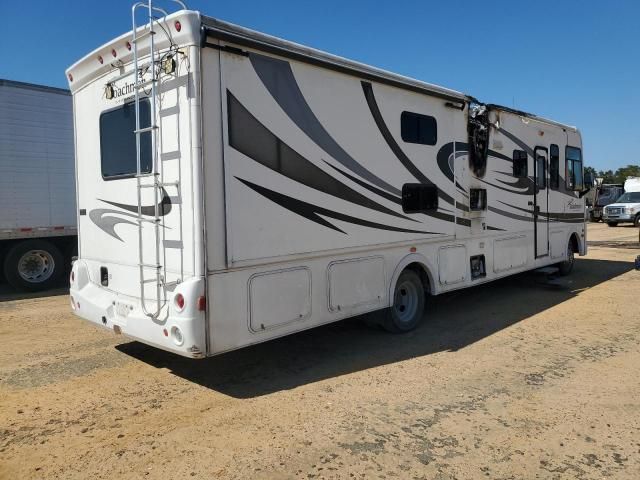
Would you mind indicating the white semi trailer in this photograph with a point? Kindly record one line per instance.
(38, 232)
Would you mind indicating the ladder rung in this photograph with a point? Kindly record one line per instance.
(144, 175)
(160, 184)
(130, 72)
(148, 265)
(145, 129)
(146, 82)
(142, 35)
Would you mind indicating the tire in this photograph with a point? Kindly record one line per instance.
(33, 265)
(636, 221)
(566, 267)
(408, 304)
(612, 224)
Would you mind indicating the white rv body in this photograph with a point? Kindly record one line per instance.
(288, 210)
(37, 183)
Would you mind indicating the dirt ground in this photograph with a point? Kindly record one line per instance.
(511, 380)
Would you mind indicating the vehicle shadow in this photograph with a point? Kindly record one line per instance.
(9, 294)
(453, 321)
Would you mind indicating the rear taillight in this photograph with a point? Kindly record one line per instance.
(202, 303)
(178, 26)
(179, 302)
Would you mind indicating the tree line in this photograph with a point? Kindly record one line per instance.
(619, 176)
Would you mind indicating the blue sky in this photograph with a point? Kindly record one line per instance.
(577, 62)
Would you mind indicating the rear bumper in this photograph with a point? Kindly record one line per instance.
(180, 332)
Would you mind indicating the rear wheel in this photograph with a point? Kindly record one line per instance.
(612, 224)
(408, 304)
(636, 221)
(567, 266)
(33, 265)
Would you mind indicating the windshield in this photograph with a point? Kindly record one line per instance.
(630, 197)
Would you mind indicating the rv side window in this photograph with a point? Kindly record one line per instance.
(520, 164)
(118, 142)
(419, 198)
(416, 128)
(573, 156)
(554, 166)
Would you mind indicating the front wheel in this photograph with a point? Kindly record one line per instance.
(33, 265)
(567, 266)
(408, 304)
(636, 221)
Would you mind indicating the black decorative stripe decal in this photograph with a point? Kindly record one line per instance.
(313, 212)
(278, 78)
(164, 207)
(440, 216)
(251, 138)
(369, 187)
(509, 215)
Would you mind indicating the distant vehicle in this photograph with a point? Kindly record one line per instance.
(37, 186)
(236, 187)
(605, 194)
(626, 209)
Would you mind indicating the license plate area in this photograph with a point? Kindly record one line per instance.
(123, 309)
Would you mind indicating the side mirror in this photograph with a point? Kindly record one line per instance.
(588, 180)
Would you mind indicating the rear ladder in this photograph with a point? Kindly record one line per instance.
(157, 266)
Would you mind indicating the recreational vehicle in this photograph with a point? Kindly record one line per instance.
(234, 187)
(37, 185)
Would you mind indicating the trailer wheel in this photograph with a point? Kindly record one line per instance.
(612, 224)
(33, 265)
(408, 304)
(567, 266)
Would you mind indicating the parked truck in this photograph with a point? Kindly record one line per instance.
(38, 232)
(604, 194)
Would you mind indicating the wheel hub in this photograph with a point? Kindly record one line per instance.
(405, 301)
(36, 266)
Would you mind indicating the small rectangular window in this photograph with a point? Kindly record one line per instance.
(419, 198)
(416, 128)
(573, 158)
(554, 166)
(477, 199)
(520, 164)
(118, 141)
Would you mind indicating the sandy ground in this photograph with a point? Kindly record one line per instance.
(511, 380)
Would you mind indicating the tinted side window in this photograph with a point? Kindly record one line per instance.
(520, 164)
(419, 198)
(573, 156)
(554, 166)
(416, 128)
(118, 142)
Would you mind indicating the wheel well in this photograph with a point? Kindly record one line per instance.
(421, 271)
(574, 242)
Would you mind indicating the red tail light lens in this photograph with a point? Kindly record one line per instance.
(128, 46)
(178, 25)
(113, 52)
(72, 276)
(202, 303)
(100, 59)
(179, 301)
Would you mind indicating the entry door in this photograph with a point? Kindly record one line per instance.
(541, 201)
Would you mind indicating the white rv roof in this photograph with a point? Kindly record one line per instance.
(88, 68)
(245, 36)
